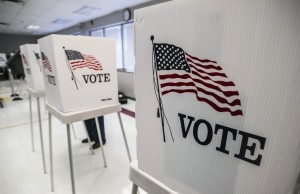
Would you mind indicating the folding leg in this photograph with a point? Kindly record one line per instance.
(31, 122)
(134, 189)
(100, 140)
(124, 137)
(88, 137)
(50, 151)
(71, 159)
(73, 131)
(41, 133)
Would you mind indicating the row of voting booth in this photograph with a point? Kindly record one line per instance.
(2, 65)
(78, 77)
(217, 94)
(2, 60)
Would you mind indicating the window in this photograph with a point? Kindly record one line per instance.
(124, 36)
(115, 32)
(128, 46)
(97, 32)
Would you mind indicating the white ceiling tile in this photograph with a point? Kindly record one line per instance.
(9, 7)
(41, 4)
(44, 12)
(27, 11)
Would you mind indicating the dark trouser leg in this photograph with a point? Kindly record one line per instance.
(89, 127)
(92, 130)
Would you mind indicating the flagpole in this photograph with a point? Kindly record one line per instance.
(73, 76)
(159, 98)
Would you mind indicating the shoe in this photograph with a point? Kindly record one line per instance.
(96, 146)
(85, 140)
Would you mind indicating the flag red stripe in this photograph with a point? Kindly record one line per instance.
(200, 60)
(208, 73)
(186, 76)
(86, 64)
(88, 61)
(47, 65)
(222, 83)
(204, 66)
(212, 104)
(77, 62)
(88, 67)
(218, 98)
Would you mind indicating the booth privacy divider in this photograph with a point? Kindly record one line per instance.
(3, 59)
(218, 95)
(78, 72)
(30, 55)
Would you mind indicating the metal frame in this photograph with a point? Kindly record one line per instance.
(146, 182)
(37, 94)
(41, 133)
(70, 118)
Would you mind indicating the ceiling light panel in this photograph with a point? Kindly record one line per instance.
(87, 10)
(63, 22)
(33, 27)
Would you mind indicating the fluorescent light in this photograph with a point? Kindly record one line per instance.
(62, 22)
(87, 10)
(33, 27)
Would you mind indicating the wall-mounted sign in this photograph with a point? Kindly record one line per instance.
(218, 99)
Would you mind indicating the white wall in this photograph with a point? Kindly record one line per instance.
(126, 83)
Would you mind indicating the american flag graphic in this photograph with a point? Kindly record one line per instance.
(46, 62)
(24, 60)
(180, 72)
(78, 60)
(37, 57)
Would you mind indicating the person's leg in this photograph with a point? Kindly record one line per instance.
(102, 129)
(90, 125)
(94, 132)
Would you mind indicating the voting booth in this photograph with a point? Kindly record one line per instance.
(81, 83)
(80, 72)
(30, 56)
(218, 95)
(3, 59)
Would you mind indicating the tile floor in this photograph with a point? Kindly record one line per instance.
(21, 170)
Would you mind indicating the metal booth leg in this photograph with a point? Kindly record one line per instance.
(88, 137)
(124, 136)
(100, 140)
(51, 153)
(41, 133)
(134, 189)
(71, 159)
(31, 124)
(73, 131)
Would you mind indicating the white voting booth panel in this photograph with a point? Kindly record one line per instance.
(80, 72)
(221, 78)
(30, 55)
(3, 59)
